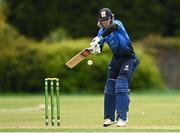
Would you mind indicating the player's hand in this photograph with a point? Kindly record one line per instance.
(95, 49)
(96, 40)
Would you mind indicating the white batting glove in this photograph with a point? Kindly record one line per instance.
(95, 49)
(96, 40)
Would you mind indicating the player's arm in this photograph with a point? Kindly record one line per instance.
(109, 30)
(106, 32)
(95, 44)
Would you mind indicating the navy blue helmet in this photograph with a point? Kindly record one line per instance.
(104, 14)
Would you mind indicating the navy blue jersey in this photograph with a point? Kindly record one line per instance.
(118, 40)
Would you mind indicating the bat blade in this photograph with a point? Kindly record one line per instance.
(78, 58)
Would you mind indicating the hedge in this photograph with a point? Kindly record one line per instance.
(25, 64)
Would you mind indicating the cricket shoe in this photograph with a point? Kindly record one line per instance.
(121, 122)
(108, 122)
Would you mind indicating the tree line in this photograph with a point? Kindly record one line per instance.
(37, 18)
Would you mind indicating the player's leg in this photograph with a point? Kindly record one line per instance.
(109, 96)
(109, 102)
(121, 90)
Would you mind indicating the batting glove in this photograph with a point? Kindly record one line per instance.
(95, 49)
(96, 40)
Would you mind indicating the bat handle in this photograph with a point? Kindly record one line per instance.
(90, 49)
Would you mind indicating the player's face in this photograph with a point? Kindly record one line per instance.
(106, 23)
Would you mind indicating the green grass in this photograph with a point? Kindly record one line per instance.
(148, 112)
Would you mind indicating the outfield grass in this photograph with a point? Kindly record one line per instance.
(148, 112)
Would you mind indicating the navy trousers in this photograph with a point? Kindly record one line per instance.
(120, 73)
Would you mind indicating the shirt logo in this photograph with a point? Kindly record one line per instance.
(126, 67)
(103, 14)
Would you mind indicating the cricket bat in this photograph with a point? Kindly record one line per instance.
(78, 58)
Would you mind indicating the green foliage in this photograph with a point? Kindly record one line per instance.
(147, 75)
(2, 13)
(58, 35)
(24, 65)
(159, 43)
(140, 17)
(172, 19)
(38, 19)
(167, 54)
(8, 35)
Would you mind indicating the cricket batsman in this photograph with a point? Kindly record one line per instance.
(120, 70)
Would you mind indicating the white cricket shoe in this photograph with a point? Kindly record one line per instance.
(121, 123)
(108, 122)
